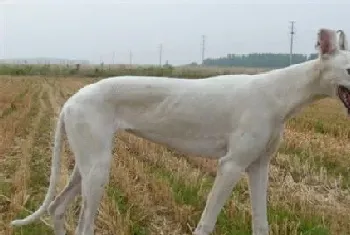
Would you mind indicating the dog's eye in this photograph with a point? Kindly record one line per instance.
(348, 70)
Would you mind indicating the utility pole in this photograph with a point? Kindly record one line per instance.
(113, 58)
(160, 54)
(130, 58)
(203, 48)
(292, 32)
(2, 34)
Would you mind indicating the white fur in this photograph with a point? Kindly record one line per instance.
(237, 119)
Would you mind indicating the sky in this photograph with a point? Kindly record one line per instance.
(97, 30)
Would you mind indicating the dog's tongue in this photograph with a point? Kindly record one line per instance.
(345, 96)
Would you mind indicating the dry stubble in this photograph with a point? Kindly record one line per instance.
(153, 190)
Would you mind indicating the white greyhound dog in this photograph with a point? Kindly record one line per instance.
(237, 119)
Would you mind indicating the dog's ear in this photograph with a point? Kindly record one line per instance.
(327, 42)
(343, 42)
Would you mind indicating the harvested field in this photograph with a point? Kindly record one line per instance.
(152, 192)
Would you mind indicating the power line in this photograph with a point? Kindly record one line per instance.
(203, 48)
(292, 32)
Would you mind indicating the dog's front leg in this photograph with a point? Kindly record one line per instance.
(258, 183)
(227, 176)
(244, 147)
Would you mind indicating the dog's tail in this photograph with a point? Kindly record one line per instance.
(55, 170)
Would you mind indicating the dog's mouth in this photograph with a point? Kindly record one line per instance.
(344, 95)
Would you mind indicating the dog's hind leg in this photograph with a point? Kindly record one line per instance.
(91, 137)
(92, 190)
(58, 207)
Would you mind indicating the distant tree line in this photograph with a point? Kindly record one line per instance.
(261, 60)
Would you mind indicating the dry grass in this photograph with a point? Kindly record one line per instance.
(152, 192)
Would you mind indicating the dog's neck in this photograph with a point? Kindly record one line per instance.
(295, 87)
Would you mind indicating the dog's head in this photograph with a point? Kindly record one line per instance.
(334, 59)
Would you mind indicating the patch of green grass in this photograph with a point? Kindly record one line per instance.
(40, 158)
(319, 160)
(319, 127)
(309, 224)
(119, 198)
(36, 228)
(137, 227)
(183, 194)
(238, 221)
(325, 123)
(5, 188)
(189, 194)
(233, 224)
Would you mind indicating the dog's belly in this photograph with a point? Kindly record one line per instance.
(210, 146)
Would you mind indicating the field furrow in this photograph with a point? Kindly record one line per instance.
(18, 167)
